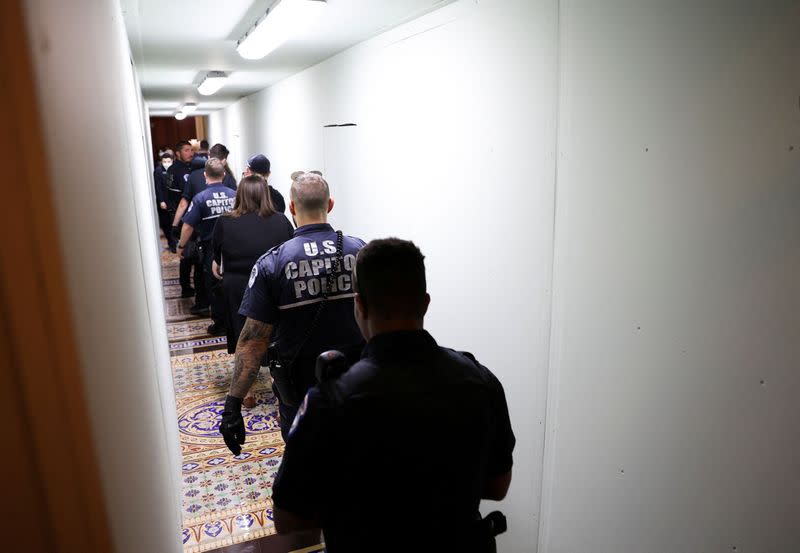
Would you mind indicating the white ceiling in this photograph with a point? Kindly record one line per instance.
(175, 43)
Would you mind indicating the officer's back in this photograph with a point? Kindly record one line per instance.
(196, 182)
(397, 453)
(210, 203)
(300, 293)
(197, 179)
(300, 273)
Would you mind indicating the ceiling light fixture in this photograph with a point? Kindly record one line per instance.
(283, 20)
(212, 83)
(189, 107)
(180, 116)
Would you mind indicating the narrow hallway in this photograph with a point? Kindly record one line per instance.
(606, 200)
(225, 499)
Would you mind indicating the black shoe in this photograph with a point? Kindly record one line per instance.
(173, 249)
(216, 330)
(200, 310)
(187, 292)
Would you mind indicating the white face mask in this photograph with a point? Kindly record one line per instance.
(166, 163)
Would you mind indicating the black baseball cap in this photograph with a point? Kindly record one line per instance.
(259, 164)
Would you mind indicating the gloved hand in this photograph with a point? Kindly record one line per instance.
(232, 425)
(176, 233)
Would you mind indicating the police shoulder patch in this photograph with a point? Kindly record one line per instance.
(253, 275)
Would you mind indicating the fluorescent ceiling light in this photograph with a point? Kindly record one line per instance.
(189, 107)
(180, 116)
(283, 20)
(213, 82)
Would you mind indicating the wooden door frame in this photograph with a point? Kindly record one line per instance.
(55, 500)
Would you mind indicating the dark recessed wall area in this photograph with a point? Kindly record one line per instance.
(168, 130)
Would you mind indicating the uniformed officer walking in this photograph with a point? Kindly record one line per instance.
(396, 454)
(196, 181)
(203, 212)
(301, 293)
(177, 177)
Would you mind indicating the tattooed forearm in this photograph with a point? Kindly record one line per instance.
(250, 350)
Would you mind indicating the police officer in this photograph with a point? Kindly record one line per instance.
(396, 454)
(302, 293)
(177, 177)
(260, 165)
(196, 182)
(203, 212)
(160, 182)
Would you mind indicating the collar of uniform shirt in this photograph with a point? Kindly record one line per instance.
(313, 227)
(400, 343)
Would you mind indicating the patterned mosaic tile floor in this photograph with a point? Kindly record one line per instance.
(226, 499)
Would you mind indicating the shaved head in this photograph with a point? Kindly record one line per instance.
(215, 170)
(310, 193)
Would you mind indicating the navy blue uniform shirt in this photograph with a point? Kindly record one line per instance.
(197, 183)
(178, 177)
(285, 289)
(199, 162)
(399, 447)
(206, 207)
(278, 203)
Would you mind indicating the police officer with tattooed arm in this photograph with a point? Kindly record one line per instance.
(396, 453)
(301, 295)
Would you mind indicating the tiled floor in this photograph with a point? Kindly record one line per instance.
(226, 500)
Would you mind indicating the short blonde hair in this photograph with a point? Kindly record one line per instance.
(215, 169)
(310, 192)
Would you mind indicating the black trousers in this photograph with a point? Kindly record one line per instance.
(212, 287)
(297, 379)
(233, 287)
(165, 223)
(185, 274)
(301, 379)
(201, 298)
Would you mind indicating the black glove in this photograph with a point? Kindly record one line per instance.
(176, 233)
(232, 425)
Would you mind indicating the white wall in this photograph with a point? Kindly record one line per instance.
(91, 113)
(677, 282)
(677, 260)
(454, 149)
(677, 227)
